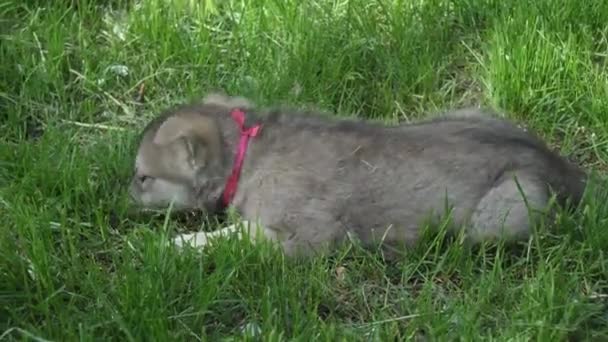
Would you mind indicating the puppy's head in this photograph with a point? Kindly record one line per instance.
(179, 158)
(174, 158)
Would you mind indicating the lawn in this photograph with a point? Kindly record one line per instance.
(78, 82)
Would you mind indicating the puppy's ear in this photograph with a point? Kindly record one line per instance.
(195, 138)
(192, 150)
(221, 99)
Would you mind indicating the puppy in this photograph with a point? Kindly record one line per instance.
(309, 182)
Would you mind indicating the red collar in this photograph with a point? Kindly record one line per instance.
(232, 183)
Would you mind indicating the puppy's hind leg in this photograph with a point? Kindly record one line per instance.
(508, 210)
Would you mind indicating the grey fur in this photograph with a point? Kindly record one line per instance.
(311, 181)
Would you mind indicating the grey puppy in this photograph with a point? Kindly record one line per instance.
(309, 182)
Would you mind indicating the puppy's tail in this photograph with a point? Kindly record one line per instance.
(569, 182)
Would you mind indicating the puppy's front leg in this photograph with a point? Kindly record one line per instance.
(201, 239)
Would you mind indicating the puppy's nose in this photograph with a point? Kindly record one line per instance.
(132, 193)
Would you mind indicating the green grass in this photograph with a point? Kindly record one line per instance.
(75, 265)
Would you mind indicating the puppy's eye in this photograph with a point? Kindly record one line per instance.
(143, 179)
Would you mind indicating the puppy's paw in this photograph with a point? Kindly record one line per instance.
(195, 240)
